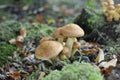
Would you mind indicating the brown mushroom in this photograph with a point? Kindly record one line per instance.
(117, 8)
(76, 46)
(20, 38)
(105, 6)
(57, 34)
(71, 32)
(46, 39)
(23, 32)
(48, 50)
(64, 54)
(110, 2)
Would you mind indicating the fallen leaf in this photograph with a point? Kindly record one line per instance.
(40, 18)
(107, 71)
(19, 44)
(110, 63)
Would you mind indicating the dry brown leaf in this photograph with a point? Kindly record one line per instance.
(107, 71)
(40, 18)
(16, 75)
(19, 44)
(90, 48)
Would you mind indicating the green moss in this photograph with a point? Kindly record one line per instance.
(6, 52)
(91, 4)
(76, 71)
(89, 20)
(13, 1)
(10, 29)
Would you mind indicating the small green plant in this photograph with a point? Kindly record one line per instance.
(76, 71)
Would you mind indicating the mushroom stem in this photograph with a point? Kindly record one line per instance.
(60, 40)
(64, 52)
(76, 46)
(62, 56)
(69, 44)
(74, 50)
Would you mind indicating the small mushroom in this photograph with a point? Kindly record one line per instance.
(57, 34)
(75, 47)
(23, 32)
(64, 54)
(46, 39)
(48, 50)
(20, 38)
(111, 10)
(105, 6)
(117, 8)
(110, 2)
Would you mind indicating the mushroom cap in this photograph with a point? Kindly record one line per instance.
(20, 38)
(48, 50)
(23, 32)
(46, 39)
(72, 30)
(104, 4)
(65, 50)
(117, 6)
(76, 45)
(110, 2)
(111, 7)
(57, 33)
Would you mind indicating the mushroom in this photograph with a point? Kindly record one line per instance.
(20, 38)
(63, 55)
(110, 10)
(105, 6)
(57, 34)
(48, 50)
(75, 47)
(110, 2)
(71, 32)
(117, 8)
(46, 39)
(23, 32)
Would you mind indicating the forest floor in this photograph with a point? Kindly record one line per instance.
(40, 18)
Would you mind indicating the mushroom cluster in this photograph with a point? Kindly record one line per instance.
(63, 44)
(111, 10)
